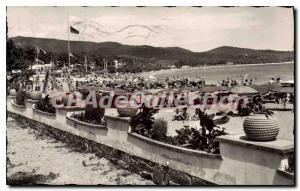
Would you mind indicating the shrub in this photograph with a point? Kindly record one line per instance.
(94, 113)
(45, 105)
(20, 97)
(159, 129)
(142, 121)
(84, 93)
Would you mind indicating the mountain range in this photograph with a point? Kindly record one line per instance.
(220, 55)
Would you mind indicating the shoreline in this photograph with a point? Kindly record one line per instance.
(164, 71)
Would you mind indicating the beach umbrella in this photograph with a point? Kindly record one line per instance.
(264, 88)
(167, 91)
(146, 92)
(108, 89)
(243, 90)
(154, 91)
(285, 90)
(86, 87)
(188, 89)
(212, 89)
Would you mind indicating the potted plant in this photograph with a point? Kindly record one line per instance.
(262, 126)
(45, 105)
(20, 97)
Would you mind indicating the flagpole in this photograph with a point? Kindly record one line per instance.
(69, 41)
(68, 73)
(85, 63)
(37, 55)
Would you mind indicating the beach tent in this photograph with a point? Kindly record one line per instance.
(243, 90)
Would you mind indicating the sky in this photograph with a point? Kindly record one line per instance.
(193, 28)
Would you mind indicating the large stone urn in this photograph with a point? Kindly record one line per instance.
(35, 95)
(259, 127)
(127, 112)
(12, 92)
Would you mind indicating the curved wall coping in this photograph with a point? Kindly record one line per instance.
(69, 118)
(286, 174)
(11, 97)
(279, 146)
(31, 100)
(161, 144)
(19, 106)
(112, 117)
(69, 108)
(43, 112)
(175, 148)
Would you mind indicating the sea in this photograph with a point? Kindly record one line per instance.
(260, 73)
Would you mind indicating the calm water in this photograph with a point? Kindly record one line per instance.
(260, 73)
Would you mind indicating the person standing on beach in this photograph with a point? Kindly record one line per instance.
(285, 100)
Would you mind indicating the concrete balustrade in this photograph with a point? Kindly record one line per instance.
(240, 162)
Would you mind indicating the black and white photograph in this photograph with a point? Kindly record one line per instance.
(150, 96)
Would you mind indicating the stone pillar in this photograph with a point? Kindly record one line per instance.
(252, 162)
(29, 103)
(62, 112)
(118, 123)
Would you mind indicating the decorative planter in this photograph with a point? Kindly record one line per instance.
(258, 127)
(12, 92)
(126, 112)
(43, 112)
(35, 95)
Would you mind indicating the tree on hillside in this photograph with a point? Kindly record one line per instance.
(179, 63)
(13, 57)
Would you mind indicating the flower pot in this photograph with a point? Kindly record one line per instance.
(259, 127)
(12, 92)
(126, 112)
(35, 95)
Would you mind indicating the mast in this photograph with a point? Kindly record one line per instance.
(37, 55)
(69, 41)
(85, 63)
(103, 64)
(68, 70)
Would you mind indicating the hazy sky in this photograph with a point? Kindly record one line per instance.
(196, 29)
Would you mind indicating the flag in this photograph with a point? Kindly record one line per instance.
(38, 49)
(71, 55)
(73, 30)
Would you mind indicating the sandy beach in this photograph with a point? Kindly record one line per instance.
(29, 152)
(261, 73)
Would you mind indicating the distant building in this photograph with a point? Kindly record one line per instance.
(119, 64)
(185, 66)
